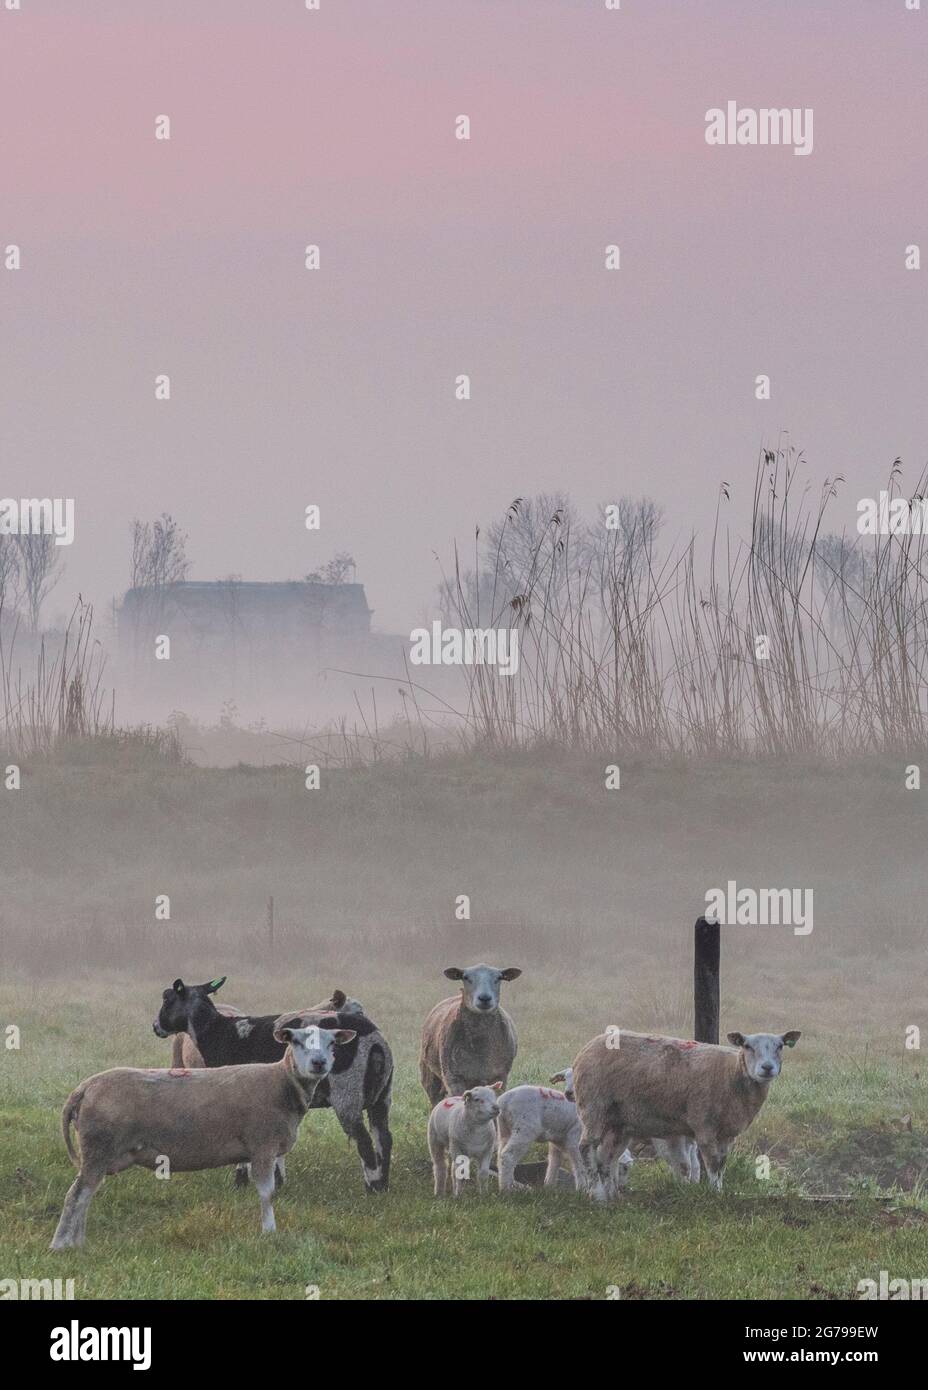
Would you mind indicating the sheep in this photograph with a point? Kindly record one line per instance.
(468, 1040)
(461, 1129)
(365, 1083)
(361, 1078)
(536, 1114)
(656, 1087)
(185, 1053)
(192, 1120)
(532, 1114)
(678, 1152)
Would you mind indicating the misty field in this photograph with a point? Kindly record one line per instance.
(194, 1236)
(592, 893)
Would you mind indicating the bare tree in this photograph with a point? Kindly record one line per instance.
(526, 542)
(159, 553)
(9, 571)
(634, 522)
(39, 571)
(334, 571)
(159, 559)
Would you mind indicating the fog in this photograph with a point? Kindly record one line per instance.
(439, 257)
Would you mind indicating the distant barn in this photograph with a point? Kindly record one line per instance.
(213, 612)
(238, 639)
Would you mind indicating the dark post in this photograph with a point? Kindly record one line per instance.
(270, 925)
(707, 938)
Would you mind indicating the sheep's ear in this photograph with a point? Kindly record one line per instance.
(344, 1035)
(736, 1039)
(337, 998)
(467, 1097)
(454, 972)
(216, 984)
(510, 973)
(497, 1086)
(792, 1037)
(283, 1035)
(178, 986)
(557, 1078)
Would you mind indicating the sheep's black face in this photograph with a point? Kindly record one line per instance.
(172, 1016)
(177, 1005)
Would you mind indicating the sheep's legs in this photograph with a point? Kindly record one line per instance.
(433, 1086)
(619, 1172)
(598, 1155)
(439, 1168)
(577, 1165)
(554, 1164)
(371, 1167)
(511, 1151)
(483, 1174)
(72, 1225)
(714, 1155)
(678, 1153)
(262, 1170)
(379, 1116)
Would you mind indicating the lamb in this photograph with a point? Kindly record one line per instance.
(533, 1114)
(361, 1079)
(656, 1087)
(468, 1040)
(462, 1129)
(192, 1120)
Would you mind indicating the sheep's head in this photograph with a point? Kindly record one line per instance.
(312, 1050)
(178, 1003)
(565, 1078)
(762, 1053)
(338, 1003)
(480, 985)
(480, 1103)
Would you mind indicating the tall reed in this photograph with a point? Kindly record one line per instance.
(788, 641)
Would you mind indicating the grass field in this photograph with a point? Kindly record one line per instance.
(835, 1126)
(593, 897)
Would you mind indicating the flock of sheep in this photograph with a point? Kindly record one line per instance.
(240, 1086)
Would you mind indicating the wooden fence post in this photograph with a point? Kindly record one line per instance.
(706, 952)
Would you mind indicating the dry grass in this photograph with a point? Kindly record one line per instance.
(628, 650)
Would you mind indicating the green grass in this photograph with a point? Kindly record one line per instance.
(195, 1236)
(592, 894)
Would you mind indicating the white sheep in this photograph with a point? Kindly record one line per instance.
(185, 1121)
(468, 1040)
(462, 1132)
(533, 1114)
(658, 1088)
(537, 1114)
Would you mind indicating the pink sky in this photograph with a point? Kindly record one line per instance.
(442, 257)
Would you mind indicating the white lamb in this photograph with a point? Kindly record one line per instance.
(462, 1132)
(537, 1114)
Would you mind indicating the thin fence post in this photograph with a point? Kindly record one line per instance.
(270, 924)
(706, 953)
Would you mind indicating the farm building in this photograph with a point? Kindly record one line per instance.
(212, 614)
(237, 640)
